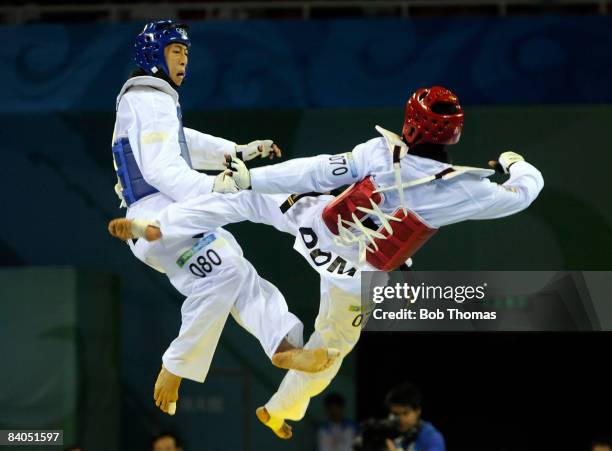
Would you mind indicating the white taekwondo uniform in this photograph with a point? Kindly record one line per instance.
(209, 269)
(465, 194)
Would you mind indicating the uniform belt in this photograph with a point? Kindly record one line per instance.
(294, 198)
(199, 235)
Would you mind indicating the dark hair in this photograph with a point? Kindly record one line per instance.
(172, 435)
(405, 394)
(137, 73)
(334, 399)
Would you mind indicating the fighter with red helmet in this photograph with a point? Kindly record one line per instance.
(403, 189)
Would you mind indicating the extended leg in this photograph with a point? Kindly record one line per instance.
(189, 218)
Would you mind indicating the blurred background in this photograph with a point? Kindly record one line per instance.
(83, 324)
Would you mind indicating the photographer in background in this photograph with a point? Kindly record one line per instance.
(404, 404)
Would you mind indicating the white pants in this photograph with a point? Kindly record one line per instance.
(217, 281)
(338, 323)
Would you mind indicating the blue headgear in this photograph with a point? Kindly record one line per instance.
(151, 42)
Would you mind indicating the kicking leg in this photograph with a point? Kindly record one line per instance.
(189, 218)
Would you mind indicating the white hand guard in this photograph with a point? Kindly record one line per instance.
(254, 149)
(139, 227)
(507, 159)
(224, 183)
(240, 173)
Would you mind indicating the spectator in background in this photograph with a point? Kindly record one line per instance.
(404, 403)
(601, 445)
(338, 433)
(166, 441)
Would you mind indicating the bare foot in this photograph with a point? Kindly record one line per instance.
(307, 360)
(127, 229)
(166, 391)
(121, 228)
(278, 426)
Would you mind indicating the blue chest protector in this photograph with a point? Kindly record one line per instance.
(133, 185)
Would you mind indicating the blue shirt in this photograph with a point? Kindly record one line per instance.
(428, 439)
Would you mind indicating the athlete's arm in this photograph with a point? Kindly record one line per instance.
(515, 195)
(207, 151)
(301, 175)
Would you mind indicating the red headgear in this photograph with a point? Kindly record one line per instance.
(433, 115)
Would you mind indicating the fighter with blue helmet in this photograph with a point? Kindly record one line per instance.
(156, 161)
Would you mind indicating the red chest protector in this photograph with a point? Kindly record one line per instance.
(356, 195)
(404, 240)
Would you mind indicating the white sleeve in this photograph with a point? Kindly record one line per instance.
(159, 153)
(521, 189)
(302, 175)
(207, 151)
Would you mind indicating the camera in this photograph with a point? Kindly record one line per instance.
(375, 432)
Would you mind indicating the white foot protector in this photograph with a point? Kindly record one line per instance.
(171, 408)
(139, 226)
